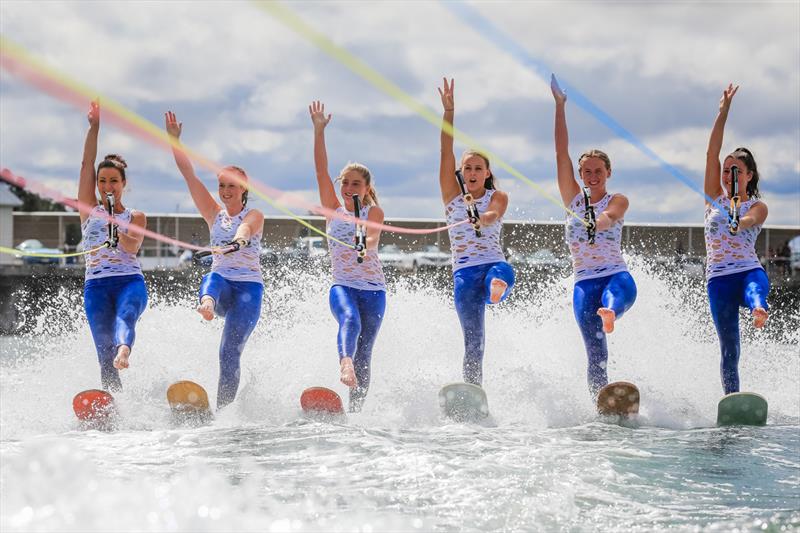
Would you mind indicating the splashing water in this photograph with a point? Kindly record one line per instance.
(543, 461)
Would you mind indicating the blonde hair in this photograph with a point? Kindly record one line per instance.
(594, 152)
(490, 182)
(371, 198)
(244, 176)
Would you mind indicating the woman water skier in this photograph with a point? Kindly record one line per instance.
(734, 274)
(604, 289)
(481, 274)
(234, 287)
(358, 294)
(114, 293)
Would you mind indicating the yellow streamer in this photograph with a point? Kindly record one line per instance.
(18, 53)
(291, 20)
(21, 253)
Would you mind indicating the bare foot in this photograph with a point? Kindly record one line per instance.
(759, 317)
(121, 360)
(348, 376)
(206, 307)
(496, 290)
(607, 316)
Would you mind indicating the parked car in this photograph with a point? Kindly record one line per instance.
(307, 249)
(393, 257)
(794, 258)
(430, 257)
(543, 259)
(36, 247)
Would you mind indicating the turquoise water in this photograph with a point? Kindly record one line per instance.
(544, 461)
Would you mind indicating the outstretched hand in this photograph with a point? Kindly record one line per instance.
(94, 114)
(727, 97)
(172, 125)
(317, 112)
(558, 93)
(448, 101)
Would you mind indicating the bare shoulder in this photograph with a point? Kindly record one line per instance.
(375, 213)
(500, 195)
(138, 217)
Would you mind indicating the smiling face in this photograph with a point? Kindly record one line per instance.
(110, 180)
(352, 182)
(744, 175)
(595, 169)
(475, 170)
(232, 188)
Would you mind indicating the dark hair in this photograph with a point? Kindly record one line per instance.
(489, 182)
(113, 161)
(746, 156)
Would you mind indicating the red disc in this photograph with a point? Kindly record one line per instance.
(92, 404)
(320, 399)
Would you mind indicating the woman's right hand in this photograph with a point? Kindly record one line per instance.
(727, 98)
(558, 93)
(94, 114)
(172, 125)
(317, 112)
(448, 101)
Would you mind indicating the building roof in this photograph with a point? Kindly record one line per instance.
(8, 198)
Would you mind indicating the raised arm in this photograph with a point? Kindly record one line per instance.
(203, 200)
(567, 185)
(86, 182)
(712, 186)
(374, 234)
(327, 194)
(447, 163)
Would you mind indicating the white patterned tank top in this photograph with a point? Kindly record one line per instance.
(346, 269)
(106, 262)
(726, 253)
(466, 248)
(602, 258)
(243, 264)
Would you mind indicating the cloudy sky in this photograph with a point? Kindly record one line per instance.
(241, 81)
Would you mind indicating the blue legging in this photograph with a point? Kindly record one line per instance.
(617, 292)
(359, 314)
(725, 295)
(239, 302)
(113, 305)
(471, 287)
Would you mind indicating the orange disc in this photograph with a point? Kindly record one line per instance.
(618, 398)
(321, 399)
(92, 404)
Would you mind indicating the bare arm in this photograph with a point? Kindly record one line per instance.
(567, 185)
(496, 208)
(614, 211)
(252, 224)
(711, 185)
(374, 234)
(203, 200)
(131, 240)
(447, 164)
(87, 180)
(327, 193)
(755, 215)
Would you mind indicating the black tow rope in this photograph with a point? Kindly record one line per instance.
(472, 210)
(232, 246)
(361, 239)
(113, 235)
(589, 216)
(733, 214)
